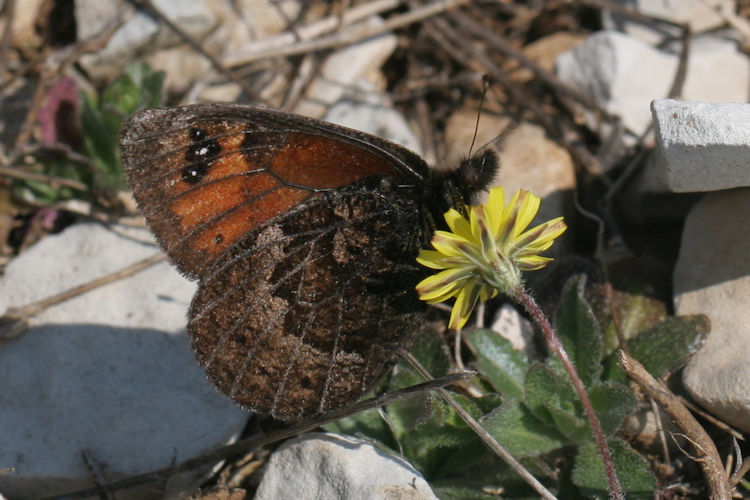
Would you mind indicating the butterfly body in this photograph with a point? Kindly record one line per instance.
(302, 235)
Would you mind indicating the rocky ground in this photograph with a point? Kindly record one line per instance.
(629, 118)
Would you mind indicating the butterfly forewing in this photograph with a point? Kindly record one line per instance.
(206, 175)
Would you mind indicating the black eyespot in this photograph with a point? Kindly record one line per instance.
(197, 134)
(199, 156)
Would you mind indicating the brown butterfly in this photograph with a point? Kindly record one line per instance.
(303, 236)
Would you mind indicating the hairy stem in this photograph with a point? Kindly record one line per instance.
(555, 346)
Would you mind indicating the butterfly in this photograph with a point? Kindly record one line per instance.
(302, 235)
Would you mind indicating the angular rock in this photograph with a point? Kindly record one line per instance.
(321, 465)
(703, 146)
(109, 372)
(139, 31)
(624, 74)
(371, 112)
(344, 68)
(712, 277)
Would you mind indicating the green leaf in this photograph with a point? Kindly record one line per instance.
(47, 194)
(632, 471)
(101, 119)
(612, 403)
(520, 432)
(664, 347)
(492, 480)
(579, 332)
(636, 312)
(431, 352)
(636, 292)
(433, 437)
(546, 390)
(503, 365)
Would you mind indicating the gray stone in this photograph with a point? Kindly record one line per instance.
(372, 113)
(518, 330)
(138, 32)
(712, 277)
(109, 372)
(318, 465)
(623, 74)
(703, 146)
(343, 68)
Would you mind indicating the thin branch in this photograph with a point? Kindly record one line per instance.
(485, 436)
(349, 36)
(714, 421)
(454, 43)
(740, 473)
(707, 455)
(240, 447)
(16, 173)
(311, 31)
(14, 321)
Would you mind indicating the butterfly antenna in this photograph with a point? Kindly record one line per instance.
(485, 87)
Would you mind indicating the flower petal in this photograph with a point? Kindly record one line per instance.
(443, 285)
(464, 305)
(447, 243)
(533, 262)
(527, 205)
(541, 237)
(458, 223)
(495, 208)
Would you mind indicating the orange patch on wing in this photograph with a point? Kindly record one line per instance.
(227, 230)
(215, 198)
(323, 163)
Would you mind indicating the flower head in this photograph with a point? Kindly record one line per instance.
(485, 255)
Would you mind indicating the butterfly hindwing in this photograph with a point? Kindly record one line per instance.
(308, 310)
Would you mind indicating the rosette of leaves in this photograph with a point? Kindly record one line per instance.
(530, 407)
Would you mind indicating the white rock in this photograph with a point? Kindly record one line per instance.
(712, 277)
(343, 68)
(318, 465)
(700, 15)
(371, 112)
(518, 330)
(703, 146)
(109, 372)
(531, 160)
(268, 17)
(624, 74)
(93, 16)
(24, 29)
(181, 66)
(140, 31)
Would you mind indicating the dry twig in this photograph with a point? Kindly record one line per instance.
(707, 454)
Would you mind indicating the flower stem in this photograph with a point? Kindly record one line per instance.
(555, 345)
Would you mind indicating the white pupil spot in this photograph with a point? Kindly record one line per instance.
(202, 151)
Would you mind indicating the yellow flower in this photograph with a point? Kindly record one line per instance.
(485, 255)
